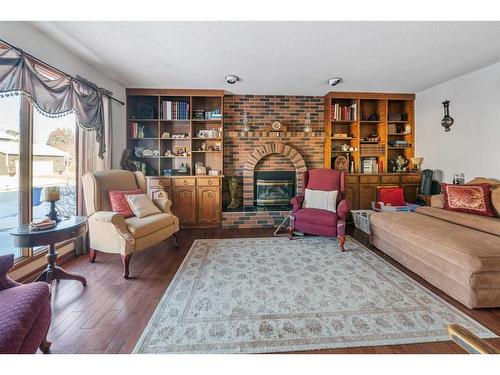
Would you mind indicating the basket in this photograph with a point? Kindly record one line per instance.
(362, 219)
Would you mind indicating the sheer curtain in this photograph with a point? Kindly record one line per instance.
(89, 161)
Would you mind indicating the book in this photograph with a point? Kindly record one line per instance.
(42, 224)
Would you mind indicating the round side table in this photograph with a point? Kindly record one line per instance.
(65, 230)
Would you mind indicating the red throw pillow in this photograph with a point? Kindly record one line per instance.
(391, 196)
(472, 199)
(118, 200)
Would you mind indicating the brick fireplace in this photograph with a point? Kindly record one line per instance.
(263, 151)
(259, 150)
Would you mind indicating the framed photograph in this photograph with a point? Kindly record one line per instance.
(179, 151)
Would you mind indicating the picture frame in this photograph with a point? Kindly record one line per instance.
(179, 151)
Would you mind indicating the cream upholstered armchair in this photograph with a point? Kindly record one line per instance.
(109, 231)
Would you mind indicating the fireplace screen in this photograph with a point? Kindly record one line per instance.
(273, 192)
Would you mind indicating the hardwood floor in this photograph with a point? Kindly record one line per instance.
(109, 315)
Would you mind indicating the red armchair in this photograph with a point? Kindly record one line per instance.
(25, 313)
(316, 221)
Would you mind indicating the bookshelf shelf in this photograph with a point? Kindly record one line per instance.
(152, 112)
(348, 113)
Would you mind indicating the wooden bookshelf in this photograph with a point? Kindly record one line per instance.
(360, 127)
(144, 107)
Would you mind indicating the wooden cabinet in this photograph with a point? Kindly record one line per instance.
(351, 195)
(196, 200)
(367, 195)
(184, 204)
(209, 204)
(361, 190)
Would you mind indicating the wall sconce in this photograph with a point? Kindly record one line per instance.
(246, 128)
(307, 123)
(447, 120)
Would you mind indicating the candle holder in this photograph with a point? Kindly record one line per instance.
(52, 215)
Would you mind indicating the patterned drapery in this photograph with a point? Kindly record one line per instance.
(53, 94)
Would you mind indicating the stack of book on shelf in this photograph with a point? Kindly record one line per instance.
(42, 224)
(201, 114)
(175, 110)
(136, 131)
(398, 143)
(344, 112)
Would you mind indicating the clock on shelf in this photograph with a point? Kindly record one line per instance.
(277, 127)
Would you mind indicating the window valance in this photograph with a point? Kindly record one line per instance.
(52, 93)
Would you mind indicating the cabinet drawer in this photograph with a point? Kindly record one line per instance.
(351, 179)
(368, 179)
(411, 179)
(208, 182)
(390, 180)
(159, 194)
(184, 182)
(159, 182)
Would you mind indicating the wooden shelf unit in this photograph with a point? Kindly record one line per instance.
(196, 199)
(367, 103)
(149, 101)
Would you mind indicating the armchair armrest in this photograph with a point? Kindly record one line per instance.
(297, 203)
(163, 204)
(6, 263)
(113, 219)
(343, 209)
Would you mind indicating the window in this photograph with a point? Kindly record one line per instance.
(10, 202)
(35, 151)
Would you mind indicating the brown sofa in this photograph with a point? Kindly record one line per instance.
(458, 253)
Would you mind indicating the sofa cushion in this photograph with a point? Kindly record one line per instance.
(317, 216)
(495, 191)
(140, 227)
(323, 200)
(466, 248)
(473, 199)
(19, 309)
(141, 205)
(119, 203)
(485, 224)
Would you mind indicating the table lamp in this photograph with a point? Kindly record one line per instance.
(52, 194)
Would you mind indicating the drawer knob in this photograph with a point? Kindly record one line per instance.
(210, 182)
(185, 182)
(210, 194)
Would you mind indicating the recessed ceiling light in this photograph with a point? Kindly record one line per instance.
(231, 79)
(334, 81)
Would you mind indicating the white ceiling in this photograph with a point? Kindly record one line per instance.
(294, 58)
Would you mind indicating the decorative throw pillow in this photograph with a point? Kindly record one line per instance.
(472, 199)
(119, 203)
(495, 191)
(391, 196)
(142, 205)
(324, 200)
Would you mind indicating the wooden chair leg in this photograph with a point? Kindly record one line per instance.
(341, 243)
(45, 345)
(92, 255)
(290, 233)
(176, 244)
(126, 262)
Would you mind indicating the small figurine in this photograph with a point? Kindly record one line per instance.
(399, 164)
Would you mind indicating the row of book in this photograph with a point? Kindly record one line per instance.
(175, 110)
(201, 114)
(136, 131)
(343, 112)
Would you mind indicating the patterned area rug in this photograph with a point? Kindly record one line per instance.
(255, 295)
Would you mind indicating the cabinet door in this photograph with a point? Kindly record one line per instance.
(351, 195)
(367, 195)
(208, 205)
(410, 193)
(185, 205)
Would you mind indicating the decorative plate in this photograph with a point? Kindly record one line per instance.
(276, 125)
(340, 163)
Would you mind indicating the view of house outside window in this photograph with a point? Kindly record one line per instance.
(53, 164)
